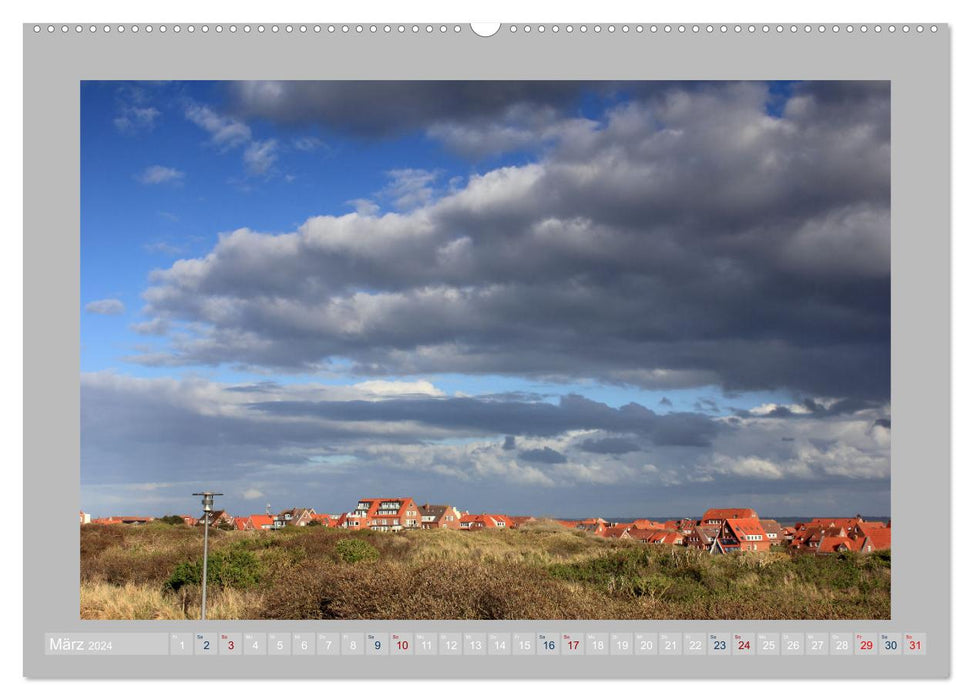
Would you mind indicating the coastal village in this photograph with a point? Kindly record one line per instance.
(718, 531)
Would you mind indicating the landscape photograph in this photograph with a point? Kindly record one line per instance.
(485, 350)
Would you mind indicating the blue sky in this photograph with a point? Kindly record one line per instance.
(437, 243)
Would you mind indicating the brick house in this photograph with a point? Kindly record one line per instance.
(295, 517)
(701, 536)
(740, 535)
(435, 517)
(384, 514)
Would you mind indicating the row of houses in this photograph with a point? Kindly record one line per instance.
(718, 531)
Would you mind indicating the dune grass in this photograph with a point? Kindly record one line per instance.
(542, 571)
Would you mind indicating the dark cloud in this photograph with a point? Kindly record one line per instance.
(573, 412)
(384, 108)
(706, 406)
(609, 446)
(687, 238)
(544, 455)
(148, 443)
(813, 407)
(665, 401)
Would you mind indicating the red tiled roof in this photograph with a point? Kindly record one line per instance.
(728, 514)
(878, 538)
(835, 544)
(746, 526)
(644, 524)
(616, 531)
(834, 522)
(259, 520)
(654, 535)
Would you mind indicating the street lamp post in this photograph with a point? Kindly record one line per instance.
(207, 497)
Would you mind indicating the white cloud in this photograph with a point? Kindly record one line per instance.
(252, 494)
(105, 307)
(410, 187)
(364, 207)
(133, 119)
(380, 387)
(225, 132)
(259, 156)
(307, 143)
(160, 174)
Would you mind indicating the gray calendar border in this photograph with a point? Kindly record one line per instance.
(918, 66)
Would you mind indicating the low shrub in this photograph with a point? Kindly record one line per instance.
(236, 568)
(351, 551)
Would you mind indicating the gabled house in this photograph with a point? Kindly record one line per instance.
(436, 517)
(872, 537)
(483, 521)
(257, 521)
(617, 529)
(717, 516)
(385, 514)
(701, 536)
(809, 538)
(85, 518)
(773, 530)
(740, 535)
(295, 517)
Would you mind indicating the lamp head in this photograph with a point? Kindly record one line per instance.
(207, 499)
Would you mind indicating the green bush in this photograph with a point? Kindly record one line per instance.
(352, 551)
(171, 520)
(237, 568)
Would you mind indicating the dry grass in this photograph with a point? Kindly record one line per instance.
(543, 571)
(132, 601)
